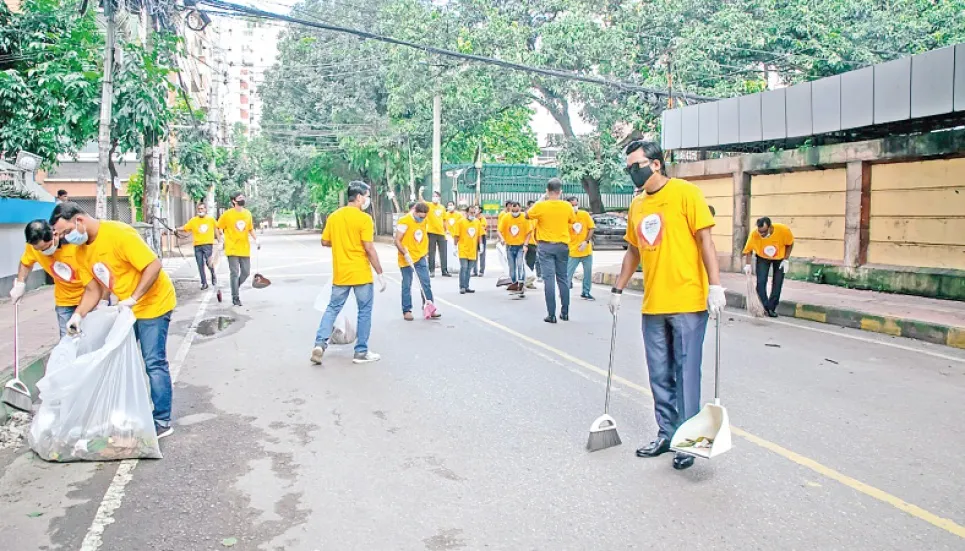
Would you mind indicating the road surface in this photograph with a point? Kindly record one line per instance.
(470, 434)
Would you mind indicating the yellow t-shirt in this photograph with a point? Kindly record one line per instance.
(64, 267)
(202, 230)
(453, 218)
(347, 228)
(772, 247)
(467, 232)
(236, 226)
(663, 227)
(482, 226)
(116, 259)
(578, 231)
(414, 238)
(532, 232)
(553, 219)
(513, 229)
(436, 219)
(499, 218)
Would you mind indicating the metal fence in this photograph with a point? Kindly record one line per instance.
(123, 207)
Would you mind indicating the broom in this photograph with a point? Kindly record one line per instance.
(753, 302)
(603, 431)
(15, 393)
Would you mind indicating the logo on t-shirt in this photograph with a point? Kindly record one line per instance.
(103, 274)
(240, 224)
(452, 221)
(651, 229)
(63, 271)
(203, 228)
(418, 236)
(514, 230)
(577, 227)
(438, 212)
(770, 251)
(472, 232)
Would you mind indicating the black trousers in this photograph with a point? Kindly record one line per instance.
(202, 254)
(481, 259)
(531, 256)
(764, 265)
(437, 242)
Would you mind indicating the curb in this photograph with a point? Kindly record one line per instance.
(30, 374)
(842, 317)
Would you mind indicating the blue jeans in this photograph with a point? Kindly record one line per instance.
(422, 270)
(63, 316)
(364, 296)
(152, 334)
(553, 257)
(466, 267)
(587, 262)
(517, 263)
(674, 345)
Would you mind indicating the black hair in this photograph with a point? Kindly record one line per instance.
(356, 188)
(66, 211)
(763, 221)
(509, 203)
(412, 204)
(37, 231)
(61, 192)
(236, 195)
(651, 151)
(713, 212)
(421, 208)
(572, 198)
(530, 203)
(554, 185)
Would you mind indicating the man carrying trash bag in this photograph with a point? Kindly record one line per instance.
(113, 257)
(668, 227)
(350, 231)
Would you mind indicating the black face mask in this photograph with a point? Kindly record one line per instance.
(240, 202)
(640, 174)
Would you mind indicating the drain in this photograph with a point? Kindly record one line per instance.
(212, 326)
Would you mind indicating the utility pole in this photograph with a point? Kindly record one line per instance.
(214, 112)
(436, 143)
(151, 201)
(104, 132)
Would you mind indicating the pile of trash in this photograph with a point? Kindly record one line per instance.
(96, 403)
(702, 442)
(14, 430)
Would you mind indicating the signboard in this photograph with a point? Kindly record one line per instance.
(491, 208)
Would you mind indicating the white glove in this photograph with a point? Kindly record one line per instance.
(582, 246)
(381, 283)
(128, 302)
(18, 290)
(785, 264)
(747, 269)
(716, 300)
(73, 324)
(614, 303)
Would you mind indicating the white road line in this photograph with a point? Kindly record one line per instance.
(114, 495)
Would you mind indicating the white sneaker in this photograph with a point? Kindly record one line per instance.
(366, 357)
(317, 354)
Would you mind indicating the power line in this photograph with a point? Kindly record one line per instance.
(449, 53)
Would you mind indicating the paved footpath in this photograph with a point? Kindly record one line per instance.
(470, 434)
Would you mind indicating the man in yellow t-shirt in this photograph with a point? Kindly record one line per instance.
(237, 226)
(436, 226)
(466, 237)
(669, 227)
(772, 244)
(113, 258)
(553, 217)
(513, 229)
(412, 242)
(581, 248)
(452, 217)
(350, 232)
(203, 229)
(43, 247)
(482, 234)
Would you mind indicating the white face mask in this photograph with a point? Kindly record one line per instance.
(435, 200)
(516, 214)
(49, 251)
(366, 202)
(576, 208)
(450, 208)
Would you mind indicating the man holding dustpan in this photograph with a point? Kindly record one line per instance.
(668, 228)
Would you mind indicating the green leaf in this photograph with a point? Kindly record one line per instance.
(229, 542)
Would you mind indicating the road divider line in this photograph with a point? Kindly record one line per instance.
(948, 525)
(114, 495)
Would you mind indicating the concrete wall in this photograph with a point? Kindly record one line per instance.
(811, 203)
(918, 214)
(719, 193)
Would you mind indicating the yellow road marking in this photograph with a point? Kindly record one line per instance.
(866, 489)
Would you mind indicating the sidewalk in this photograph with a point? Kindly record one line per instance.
(931, 320)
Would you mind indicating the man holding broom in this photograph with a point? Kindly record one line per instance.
(668, 227)
(772, 245)
(412, 242)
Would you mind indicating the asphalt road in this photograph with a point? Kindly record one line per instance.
(470, 434)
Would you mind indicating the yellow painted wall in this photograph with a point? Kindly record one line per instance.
(811, 203)
(719, 193)
(918, 214)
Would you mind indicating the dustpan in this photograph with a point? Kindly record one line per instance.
(259, 281)
(711, 425)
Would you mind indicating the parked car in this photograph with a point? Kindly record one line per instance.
(610, 230)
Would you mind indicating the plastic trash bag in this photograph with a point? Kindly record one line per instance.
(452, 255)
(343, 331)
(503, 259)
(754, 306)
(96, 400)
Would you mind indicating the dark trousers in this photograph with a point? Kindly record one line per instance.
(437, 242)
(763, 267)
(465, 271)
(202, 255)
(554, 257)
(532, 260)
(481, 257)
(674, 345)
(240, 267)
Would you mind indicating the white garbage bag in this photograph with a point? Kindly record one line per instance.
(96, 398)
(452, 255)
(503, 259)
(343, 331)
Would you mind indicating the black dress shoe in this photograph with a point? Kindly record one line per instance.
(682, 461)
(204, 287)
(550, 319)
(659, 446)
(565, 317)
(772, 313)
(446, 274)
(470, 291)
